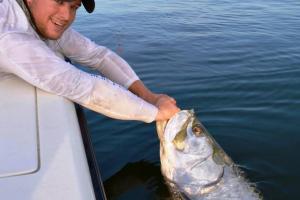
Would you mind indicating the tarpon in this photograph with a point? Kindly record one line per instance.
(195, 166)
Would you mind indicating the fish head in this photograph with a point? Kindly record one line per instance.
(191, 160)
(179, 129)
(189, 129)
(186, 153)
(187, 134)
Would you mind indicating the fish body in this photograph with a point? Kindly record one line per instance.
(195, 166)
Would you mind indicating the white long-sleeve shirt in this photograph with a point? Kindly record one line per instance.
(41, 63)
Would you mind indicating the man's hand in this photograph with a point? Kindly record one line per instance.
(166, 107)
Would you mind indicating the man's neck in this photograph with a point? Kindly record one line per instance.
(27, 12)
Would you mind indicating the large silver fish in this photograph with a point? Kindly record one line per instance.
(195, 166)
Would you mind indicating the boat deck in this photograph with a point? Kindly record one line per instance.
(42, 154)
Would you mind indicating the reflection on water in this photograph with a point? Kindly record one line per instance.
(142, 179)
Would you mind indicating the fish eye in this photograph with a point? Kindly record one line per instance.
(197, 130)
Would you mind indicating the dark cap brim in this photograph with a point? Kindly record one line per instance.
(89, 5)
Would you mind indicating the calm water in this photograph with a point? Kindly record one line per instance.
(237, 64)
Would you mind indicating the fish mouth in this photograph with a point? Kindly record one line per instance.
(160, 129)
(161, 125)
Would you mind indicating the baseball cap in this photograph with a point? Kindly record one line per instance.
(89, 5)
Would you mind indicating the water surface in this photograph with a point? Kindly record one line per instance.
(236, 63)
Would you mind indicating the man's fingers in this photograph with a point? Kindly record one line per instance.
(173, 100)
(166, 97)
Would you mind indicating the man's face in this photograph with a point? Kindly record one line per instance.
(53, 17)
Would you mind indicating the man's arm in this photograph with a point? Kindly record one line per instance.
(82, 50)
(166, 105)
(29, 58)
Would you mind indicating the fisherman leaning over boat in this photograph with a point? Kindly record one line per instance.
(35, 38)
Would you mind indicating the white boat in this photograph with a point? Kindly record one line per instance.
(42, 151)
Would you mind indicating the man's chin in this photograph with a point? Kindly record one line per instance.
(52, 36)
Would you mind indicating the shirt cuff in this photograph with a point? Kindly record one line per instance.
(148, 112)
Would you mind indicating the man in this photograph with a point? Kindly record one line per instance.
(35, 39)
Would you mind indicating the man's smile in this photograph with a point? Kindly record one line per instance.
(59, 24)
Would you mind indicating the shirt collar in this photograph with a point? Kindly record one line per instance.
(24, 7)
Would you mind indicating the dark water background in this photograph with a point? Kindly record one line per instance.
(236, 63)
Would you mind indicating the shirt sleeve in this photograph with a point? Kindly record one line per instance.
(31, 59)
(87, 53)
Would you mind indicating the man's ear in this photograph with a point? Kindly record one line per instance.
(28, 2)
